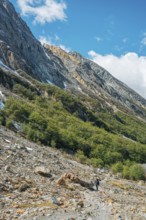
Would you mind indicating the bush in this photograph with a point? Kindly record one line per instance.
(9, 124)
(136, 172)
(81, 157)
(117, 167)
(26, 92)
(126, 172)
(97, 162)
(112, 157)
(53, 143)
(37, 121)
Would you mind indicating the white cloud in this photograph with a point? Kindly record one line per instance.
(129, 68)
(43, 10)
(45, 40)
(63, 47)
(50, 41)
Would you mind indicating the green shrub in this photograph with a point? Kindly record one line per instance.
(117, 167)
(81, 157)
(17, 110)
(53, 143)
(28, 93)
(126, 172)
(97, 162)
(112, 157)
(136, 172)
(37, 121)
(9, 124)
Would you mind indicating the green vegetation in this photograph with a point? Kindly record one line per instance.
(95, 135)
(132, 171)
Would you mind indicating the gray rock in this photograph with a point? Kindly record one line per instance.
(43, 171)
(23, 187)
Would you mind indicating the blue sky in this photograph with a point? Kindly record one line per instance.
(110, 32)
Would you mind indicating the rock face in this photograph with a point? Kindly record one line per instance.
(88, 77)
(19, 49)
(24, 51)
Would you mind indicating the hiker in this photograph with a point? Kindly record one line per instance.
(97, 183)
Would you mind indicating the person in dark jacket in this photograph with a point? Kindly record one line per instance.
(97, 183)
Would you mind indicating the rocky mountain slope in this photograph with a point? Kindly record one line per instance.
(88, 77)
(53, 65)
(29, 186)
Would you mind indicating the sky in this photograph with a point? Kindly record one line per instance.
(112, 33)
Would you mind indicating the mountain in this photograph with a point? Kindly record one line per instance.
(53, 65)
(87, 77)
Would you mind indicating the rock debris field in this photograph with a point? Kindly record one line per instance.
(41, 183)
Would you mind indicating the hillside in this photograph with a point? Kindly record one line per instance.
(80, 125)
(30, 189)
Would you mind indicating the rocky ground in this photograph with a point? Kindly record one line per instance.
(29, 188)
